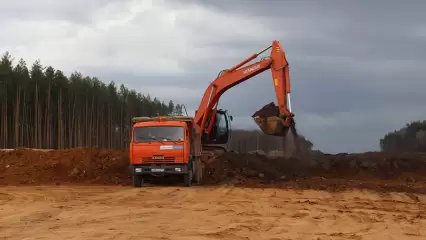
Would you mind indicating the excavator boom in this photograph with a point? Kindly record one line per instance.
(272, 120)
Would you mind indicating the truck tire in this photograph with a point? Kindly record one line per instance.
(137, 181)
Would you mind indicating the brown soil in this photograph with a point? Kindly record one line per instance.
(245, 196)
(375, 171)
(202, 213)
(379, 171)
(268, 110)
(26, 166)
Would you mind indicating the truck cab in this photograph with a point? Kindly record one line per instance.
(161, 146)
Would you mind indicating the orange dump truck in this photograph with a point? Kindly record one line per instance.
(165, 146)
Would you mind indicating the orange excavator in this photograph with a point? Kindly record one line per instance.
(175, 145)
(271, 119)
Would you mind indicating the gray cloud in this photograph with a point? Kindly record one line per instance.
(77, 11)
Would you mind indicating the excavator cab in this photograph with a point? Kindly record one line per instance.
(221, 129)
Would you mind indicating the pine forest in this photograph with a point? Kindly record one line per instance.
(42, 108)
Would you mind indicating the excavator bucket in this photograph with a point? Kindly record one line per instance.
(269, 121)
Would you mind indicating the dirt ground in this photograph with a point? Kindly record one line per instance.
(86, 194)
(377, 171)
(220, 212)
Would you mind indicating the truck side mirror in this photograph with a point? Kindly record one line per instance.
(231, 117)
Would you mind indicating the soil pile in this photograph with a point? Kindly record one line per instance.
(268, 110)
(365, 165)
(378, 171)
(24, 166)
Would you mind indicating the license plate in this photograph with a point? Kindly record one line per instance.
(157, 170)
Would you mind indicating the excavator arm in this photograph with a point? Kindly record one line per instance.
(272, 120)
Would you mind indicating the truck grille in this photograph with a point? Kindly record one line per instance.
(153, 160)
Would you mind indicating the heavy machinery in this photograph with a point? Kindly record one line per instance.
(175, 144)
(169, 145)
(271, 119)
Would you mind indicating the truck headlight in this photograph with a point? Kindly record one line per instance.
(178, 169)
(138, 170)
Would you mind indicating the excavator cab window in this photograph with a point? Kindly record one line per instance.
(220, 131)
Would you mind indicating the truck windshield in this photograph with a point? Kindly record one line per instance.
(158, 133)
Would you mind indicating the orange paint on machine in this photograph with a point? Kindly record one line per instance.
(176, 145)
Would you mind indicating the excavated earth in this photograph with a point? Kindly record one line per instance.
(382, 172)
(375, 171)
(80, 165)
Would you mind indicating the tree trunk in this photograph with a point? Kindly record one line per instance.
(60, 144)
(17, 114)
(48, 120)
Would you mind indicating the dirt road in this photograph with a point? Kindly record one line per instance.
(222, 212)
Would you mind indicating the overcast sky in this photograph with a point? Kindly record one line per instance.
(356, 67)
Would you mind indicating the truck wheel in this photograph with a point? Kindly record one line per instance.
(188, 179)
(137, 181)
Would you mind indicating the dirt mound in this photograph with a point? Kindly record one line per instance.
(240, 167)
(375, 165)
(378, 171)
(26, 166)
